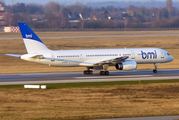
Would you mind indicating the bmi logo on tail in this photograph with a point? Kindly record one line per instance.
(149, 55)
(28, 36)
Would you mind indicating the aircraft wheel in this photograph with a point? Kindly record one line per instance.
(101, 72)
(154, 71)
(87, 72)
(90, 72)
(106, 72)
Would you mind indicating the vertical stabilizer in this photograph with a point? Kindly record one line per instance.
(32, 42)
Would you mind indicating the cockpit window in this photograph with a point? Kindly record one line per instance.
(168, 54)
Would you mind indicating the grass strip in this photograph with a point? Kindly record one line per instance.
(93, 84)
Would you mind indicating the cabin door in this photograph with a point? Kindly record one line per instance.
(52, 57)
(81, 56)
(162, 54)
(132, 55)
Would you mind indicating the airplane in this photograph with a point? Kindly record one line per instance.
(99, 59)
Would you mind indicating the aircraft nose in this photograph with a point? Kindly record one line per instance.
(171, 58)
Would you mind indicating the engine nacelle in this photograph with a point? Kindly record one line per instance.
(127, 65)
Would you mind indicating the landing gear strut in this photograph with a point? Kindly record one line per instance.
(105, 72)
(88, 72)
(155, 70)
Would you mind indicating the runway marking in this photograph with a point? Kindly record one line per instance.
(112, 76)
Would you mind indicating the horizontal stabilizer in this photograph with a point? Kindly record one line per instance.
(13, 55)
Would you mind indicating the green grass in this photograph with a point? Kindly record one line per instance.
(93, 84)
(12, 86)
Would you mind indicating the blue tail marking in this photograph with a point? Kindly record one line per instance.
(28, 33)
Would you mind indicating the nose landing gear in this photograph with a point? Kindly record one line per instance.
(155, 70)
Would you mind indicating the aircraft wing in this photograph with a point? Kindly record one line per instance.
(113, 61)
(99, 62)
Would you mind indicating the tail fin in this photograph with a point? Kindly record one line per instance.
(32, 42)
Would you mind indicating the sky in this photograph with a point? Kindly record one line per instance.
(42, 2)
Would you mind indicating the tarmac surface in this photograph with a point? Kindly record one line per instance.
(76, 77)
(88, 36)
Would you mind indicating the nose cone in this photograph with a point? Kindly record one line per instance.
(171, 58)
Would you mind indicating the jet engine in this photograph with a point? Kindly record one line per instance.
(127, 65)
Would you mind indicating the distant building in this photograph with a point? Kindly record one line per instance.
(3, 16)
(130, 13)
(169, 7)
(94, 17)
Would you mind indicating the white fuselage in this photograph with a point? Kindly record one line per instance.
(76, 58)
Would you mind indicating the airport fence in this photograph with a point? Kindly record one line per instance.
(104, 29)
(98, 29)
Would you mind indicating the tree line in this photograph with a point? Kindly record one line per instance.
(78, 15)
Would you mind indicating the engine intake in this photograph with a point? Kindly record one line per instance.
(127, 65)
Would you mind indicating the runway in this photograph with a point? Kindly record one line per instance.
(88, 36)
(76, 77)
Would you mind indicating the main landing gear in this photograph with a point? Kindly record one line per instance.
(88, 72)
(105, 72)
(155, 70)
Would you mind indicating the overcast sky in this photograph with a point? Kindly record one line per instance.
(8, 2)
